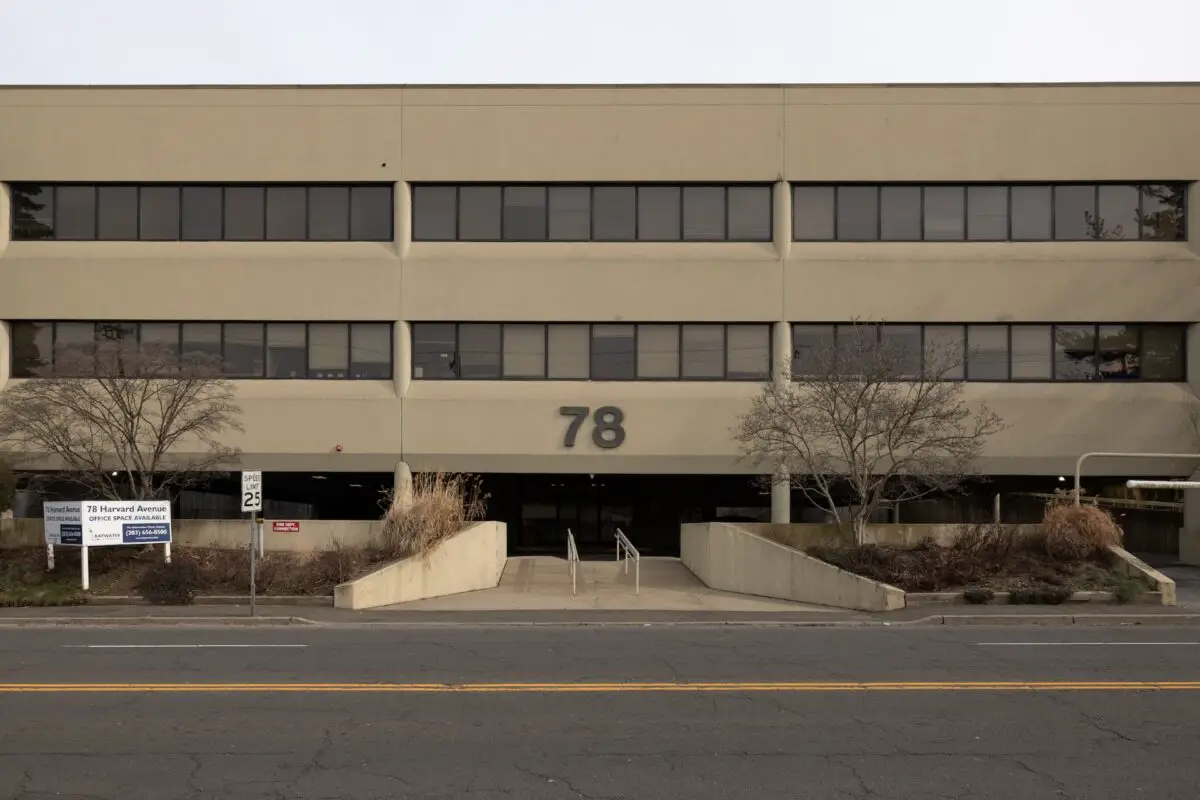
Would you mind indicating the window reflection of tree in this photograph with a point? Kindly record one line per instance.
(1162, 211)
(31, 218)
(1074, 352)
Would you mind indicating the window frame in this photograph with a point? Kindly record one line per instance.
(223, 323)
(1180, 185)
(545, 326)
(636, 186)
(180, 186)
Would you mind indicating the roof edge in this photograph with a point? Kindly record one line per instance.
(948, 85)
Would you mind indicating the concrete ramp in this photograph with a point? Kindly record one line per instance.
(543, 583)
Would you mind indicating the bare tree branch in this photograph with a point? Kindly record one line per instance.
(872, 415)
(124, 421)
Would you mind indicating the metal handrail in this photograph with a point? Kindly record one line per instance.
(625, 546)
(572, 559)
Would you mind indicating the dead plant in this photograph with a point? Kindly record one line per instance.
(440, 506)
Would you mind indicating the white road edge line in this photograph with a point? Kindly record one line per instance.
(168, 646)
(1087, 644)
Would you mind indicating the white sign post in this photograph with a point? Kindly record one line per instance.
(252, 505)
(104, 523)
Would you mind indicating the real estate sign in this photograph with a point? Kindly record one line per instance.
(108, 522)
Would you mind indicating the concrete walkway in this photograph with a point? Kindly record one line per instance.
(542, 583)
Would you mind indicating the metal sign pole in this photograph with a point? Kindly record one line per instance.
(253, 563)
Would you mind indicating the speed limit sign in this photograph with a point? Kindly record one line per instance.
(251, 491)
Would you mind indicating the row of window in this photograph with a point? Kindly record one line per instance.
(1023, 352)
(280, 350)
(202, 212)
(596, 213)
(988, 212)
(600, 212)
(623, 351)
(597, 352)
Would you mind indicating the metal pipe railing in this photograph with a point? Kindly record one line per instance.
(1079, 463)
(624, 546)
(572, 559)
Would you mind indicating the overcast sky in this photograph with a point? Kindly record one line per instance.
(605, 41)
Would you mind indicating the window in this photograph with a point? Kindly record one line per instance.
(202, 212)
(158, 213)
(243, 350)
(74, 348)
(612, 353)
(570, 213)
(1021, 352)
(371, 350)
(160, 340)
(245, 213)
(900, 213)
(328, 351)
(902, 348)
(479, 351)
(599, 213)
(598, 352)
(1031, 353)
(988, 212)
(32, 348)
(117, 213)
(75, 212)
(812, 213)
(525, 213)
(202, 342)
(703, 352)
(944, 213)
(329, 213)
(524, 351)
(287, 350)
(658, 352)
(857, 213)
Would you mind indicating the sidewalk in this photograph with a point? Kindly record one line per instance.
(276, 615)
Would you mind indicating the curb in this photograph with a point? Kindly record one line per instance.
(923, 599)
(1014, 620)
(324, 601)
(142, 622)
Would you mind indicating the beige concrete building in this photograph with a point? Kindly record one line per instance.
(421, 278)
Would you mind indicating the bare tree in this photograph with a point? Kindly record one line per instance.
(870, 416)
(123, 421)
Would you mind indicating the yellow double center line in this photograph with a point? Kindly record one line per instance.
(610, 688)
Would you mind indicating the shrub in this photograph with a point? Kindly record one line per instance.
(1128, 590)
(978, 595)
(1073, 533)
(171, 584)
(441, 506)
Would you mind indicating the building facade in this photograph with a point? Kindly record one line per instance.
(574, 291)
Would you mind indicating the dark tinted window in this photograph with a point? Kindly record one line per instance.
(614, 216)
(1074, 352)
(202, 213)
(329, 213)
(287, 350)
(987, 352)
(160, 340)
(525, 213)
(286, 213)
(1117, 216)
(158, 213)
(371, 213)
(1162, 352)
(434, 213)
(244, 349)
(658, 210)
(613, 353)
(32, 211)
(812, 349)
(1032, 213)
(75, 217)
(987, 213)
(434, 350)
(703, 351)
(32, 348)
(857, 213)
(328, 351)
(1162, 212)
(479, 349)
(570, 213)
(370, 350)
(944, 212)
(202, 340)
(703, 213)
(747, 352)
(245, 213)
(749, 213)
(117, 213)
(813, 213)
(900, 213)
(479, 213)
(1074, 212)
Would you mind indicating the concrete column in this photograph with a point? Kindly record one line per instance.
(402, 222)
(404, 487)
(401, 357)
(5, 353)
(781, 499)
(782, 220)
(781, 352)
(1189, 535)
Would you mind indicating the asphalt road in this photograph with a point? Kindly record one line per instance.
(654, 712)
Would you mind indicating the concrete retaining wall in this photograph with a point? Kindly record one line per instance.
(230, 533)
(731, 558)
(802, 535)
(1131, 566)
(470, 560)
